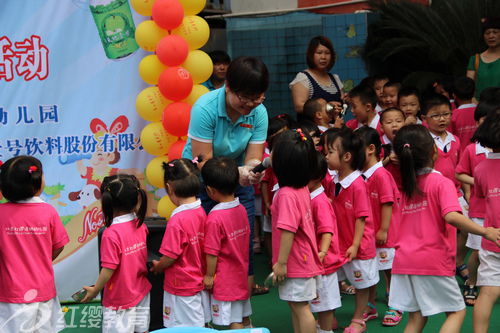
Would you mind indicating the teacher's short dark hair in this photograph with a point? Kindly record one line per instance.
(491, 23)
(221, 173)
(313, 45)
(247, 76)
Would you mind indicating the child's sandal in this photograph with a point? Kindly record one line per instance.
(392, 317)
(347, 289)
(460, 269)
(470, 295)
(373, 313)
(351, 329)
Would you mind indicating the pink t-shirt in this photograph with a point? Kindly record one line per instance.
(29, 232)
(487, 181)
(227, 235)
(124, 249)
(291, 211)
(353, 203)
(183, 241)
(426, 244)
(326, 222)
(463, 124)
(396, 174)
(383, 189)
(447, 162)
(471, 157)
(354, 125)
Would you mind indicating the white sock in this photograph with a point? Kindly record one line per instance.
(319, 330)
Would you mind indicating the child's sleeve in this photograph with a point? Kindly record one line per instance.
(289, 215)
(387, 188)
(174, 239)
(324, 216)
(214, 234)
(111, 251)
(59, 234)
(479, 190)
(361, 202)
(447, 196)
(464, 164)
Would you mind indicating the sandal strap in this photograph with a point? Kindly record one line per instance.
(358, 321)
(371, 305)
(393, 310)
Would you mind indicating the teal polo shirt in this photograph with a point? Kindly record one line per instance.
(210, 124)
(208, 84)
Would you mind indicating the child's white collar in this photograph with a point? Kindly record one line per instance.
(31, 200)
(368, 173)
(189, 206)
(317, 192)
(347, 181)
(124, 218)
(226, 205)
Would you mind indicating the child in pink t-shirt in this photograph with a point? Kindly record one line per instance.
(226, 236)
(391, 121)
(31, 237)
(462, 122)
(184, 303)
(487, 186)
(351, 204)
(328, 298)
(297, 265)
(384, 198)
(423, 281)
(123, 256)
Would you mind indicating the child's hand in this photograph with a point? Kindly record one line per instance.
(156, 267)
(493, 235)
(91, 293)
(410, 120)
(208, 281)
(339, 122)
(381, 237)
(394, 159)
(352, 252)
(322, 256)
(279, 273)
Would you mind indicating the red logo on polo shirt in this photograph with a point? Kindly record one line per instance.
(246, 125)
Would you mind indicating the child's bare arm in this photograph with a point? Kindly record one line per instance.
(159, 266)
(463, 223)
(279, 268)
(326, 239)
(57, 252)
(359, 229)
(208, 279)
(385, 221)
(264, 188)
(464, 178)
(103, 278)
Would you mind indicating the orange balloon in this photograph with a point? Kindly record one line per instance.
(172, 50)
(175, 83)
(175, 118)
(175, 150)
(168, 14)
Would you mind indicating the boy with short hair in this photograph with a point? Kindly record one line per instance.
(315, 110)
(379, 81)
(462, 123)
(363, 102)
(390, 97)
(391, 121)
(409, 103)
(227, 236)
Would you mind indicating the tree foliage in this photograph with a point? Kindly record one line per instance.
(419, 44)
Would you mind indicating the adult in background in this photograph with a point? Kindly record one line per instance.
(484, 68)
(316, 81)
(232, 121)
(221, 61)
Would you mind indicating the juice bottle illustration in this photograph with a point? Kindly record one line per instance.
(116, 27)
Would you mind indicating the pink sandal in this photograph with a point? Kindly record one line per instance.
(392, 317)
(372, 314)
(351, 329)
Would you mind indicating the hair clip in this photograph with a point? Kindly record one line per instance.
(32, 168)
(298, 130)
(108, 189)
(195, 160)
(171, 165)
(406, 145)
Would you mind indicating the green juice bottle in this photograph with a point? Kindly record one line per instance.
(115, 24)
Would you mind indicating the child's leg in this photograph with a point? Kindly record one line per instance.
(325, 320)
(453, 322)
(371, 313)
(462, 251)
(416, 322)
(302, 317)
(236, 326)
(473, 264)
(360, 305)
(387, 277)
(483, 308)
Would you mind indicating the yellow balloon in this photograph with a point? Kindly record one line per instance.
(150, 104)
(154, 171)
(199, 65)
(165, 207)
(150, 69)
(197, 92)
(155, 140)
(143, 7)
(194, 30)
(148, 34)
(192, 7)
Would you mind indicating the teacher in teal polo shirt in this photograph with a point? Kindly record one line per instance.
(232, 121)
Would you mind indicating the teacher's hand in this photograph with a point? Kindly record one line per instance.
(244, 173)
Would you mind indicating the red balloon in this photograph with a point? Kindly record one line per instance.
(175, 118)
(167, 14)
(172, 50)
(175, 150)
(175, 83)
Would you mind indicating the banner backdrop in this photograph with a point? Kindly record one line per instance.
(68, 81)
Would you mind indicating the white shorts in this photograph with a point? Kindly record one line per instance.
(474, 241)
(258, 204)
(135, 319)
(182, 311)
(225, 313)
(488, 273)
(205, 304)
(267, 225)
(299, 289)
(327, 295)
(428, 294)
(362, 273)
(385, 257)
(463, 203)
(40, 317)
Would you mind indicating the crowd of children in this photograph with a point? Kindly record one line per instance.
(385, 192)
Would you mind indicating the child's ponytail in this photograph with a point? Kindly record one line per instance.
(414, 147)
(184, 176)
